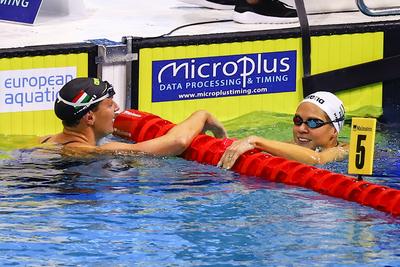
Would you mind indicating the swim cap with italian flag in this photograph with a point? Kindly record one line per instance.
(331, 105)
(79, 95)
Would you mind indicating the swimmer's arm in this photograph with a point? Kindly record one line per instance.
(298, 153)
(280, 149)
(177, 139)
(337, 153)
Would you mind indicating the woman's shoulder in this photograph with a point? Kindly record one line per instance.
(45, 139)
(343, 145)
(60, 139)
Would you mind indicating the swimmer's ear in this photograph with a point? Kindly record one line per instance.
(335, 133)
(89, 118)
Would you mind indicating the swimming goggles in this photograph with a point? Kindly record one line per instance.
(313, 123)
(109, 92)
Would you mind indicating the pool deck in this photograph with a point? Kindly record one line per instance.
(114, 19)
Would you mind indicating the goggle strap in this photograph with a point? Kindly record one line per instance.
(316, 122)
(75, 105)
(339, 120)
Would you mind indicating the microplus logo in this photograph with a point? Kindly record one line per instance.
(33, 89)
(207, 77)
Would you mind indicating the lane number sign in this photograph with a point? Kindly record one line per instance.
(362, 146)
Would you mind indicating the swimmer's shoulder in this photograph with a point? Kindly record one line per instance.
(73, 148)
(45, 139)
(58, 140)
(343, 145)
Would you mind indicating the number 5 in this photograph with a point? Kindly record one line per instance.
(360, 151)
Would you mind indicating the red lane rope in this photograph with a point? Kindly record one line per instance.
(141, 126)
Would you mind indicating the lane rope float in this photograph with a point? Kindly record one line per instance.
(140, 126)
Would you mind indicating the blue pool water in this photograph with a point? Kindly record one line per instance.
(141, 210)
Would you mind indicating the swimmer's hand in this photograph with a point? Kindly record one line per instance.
(213, 125)
(233, 152)
(342, 152)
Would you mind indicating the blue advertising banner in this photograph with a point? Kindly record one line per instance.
(222, 76)
(24, 11)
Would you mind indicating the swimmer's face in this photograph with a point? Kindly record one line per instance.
(324, 136)
(105, 114)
